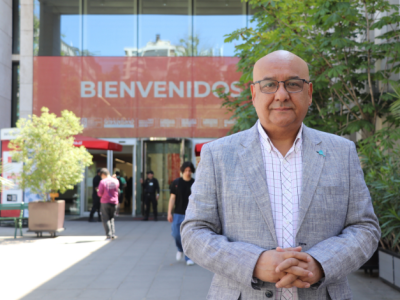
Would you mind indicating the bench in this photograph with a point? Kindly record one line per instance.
(17, 220)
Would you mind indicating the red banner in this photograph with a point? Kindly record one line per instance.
(138, 96)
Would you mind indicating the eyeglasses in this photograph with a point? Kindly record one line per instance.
(268, 86)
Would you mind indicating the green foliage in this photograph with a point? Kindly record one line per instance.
(380, 158)
(4, 182)
(51, 162)
(350, 71)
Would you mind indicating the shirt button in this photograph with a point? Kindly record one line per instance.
(269, 294)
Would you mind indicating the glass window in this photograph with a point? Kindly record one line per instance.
(16, 26)
(57, 28)
(15, 94)
(110, 28)
(165, 28)
(212, 20)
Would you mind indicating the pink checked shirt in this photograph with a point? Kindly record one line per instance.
(282, 172)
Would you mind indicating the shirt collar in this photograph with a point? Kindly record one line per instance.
(268, 143)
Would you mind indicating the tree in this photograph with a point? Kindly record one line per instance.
(51, 162)
(351, 61)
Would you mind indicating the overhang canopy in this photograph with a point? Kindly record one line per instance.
(197, 148)
(95, 144)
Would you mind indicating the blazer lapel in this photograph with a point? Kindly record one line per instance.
(251, 160)
(313, 163)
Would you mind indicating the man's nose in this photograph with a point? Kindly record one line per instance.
(281, 94)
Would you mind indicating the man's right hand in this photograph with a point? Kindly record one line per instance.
(141, 180)
(170, 218)
(265, 268)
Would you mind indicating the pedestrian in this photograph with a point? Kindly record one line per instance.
(108, 193)
(180, 190)
(128, 192)
(151, 192)
(96, 198)
(122, 185)
(281, 210)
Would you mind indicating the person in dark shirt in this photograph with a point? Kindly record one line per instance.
(96, 198)
(151, 193)
(180, 191)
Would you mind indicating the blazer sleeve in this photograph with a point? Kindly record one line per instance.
(201, 232)
(342, 254)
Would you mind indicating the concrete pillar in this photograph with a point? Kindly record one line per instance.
(5, 62)
(26, 59)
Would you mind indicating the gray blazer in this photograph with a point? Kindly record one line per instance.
(229, 219)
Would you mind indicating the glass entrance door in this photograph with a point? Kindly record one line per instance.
(164, 158)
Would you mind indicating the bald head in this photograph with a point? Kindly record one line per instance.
(280, 61)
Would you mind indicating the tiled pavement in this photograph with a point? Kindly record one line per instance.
(140, 264)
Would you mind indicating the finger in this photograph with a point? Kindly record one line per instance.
(297, 249)
(299, 284)
(299, 255)
(300, 272)
(287, 263)
(286, 280)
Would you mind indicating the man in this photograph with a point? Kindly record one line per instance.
(151, 193)
(95, 197)
(279, 185)
(180, 190)
(108, 193)
(122, 185)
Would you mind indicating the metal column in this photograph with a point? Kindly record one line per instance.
(110, 160)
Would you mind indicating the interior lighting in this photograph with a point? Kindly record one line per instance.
(119, 160)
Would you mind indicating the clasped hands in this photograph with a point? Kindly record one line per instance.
(288, 268)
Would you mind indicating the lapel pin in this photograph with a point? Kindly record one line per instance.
(320, 152)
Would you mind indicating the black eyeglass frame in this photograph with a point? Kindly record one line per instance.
(284, 85)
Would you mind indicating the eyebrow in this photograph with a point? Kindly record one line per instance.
(274, 78)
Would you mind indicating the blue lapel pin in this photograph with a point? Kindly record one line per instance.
(320, 152)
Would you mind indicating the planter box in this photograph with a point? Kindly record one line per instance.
(389, 268)
(46, 216)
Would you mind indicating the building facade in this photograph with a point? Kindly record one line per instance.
(140, 73)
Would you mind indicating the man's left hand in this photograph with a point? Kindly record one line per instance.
(158, 196)
(313, 266)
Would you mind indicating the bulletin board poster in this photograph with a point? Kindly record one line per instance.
(11, 171)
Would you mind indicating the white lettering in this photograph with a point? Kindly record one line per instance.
(197, 85)
(110, 89)
(99, 89)
(173, 87)
(159, 86)
(215, 85)
(236, 89)
(143, 92)
(87, 89)
(189, 89)
(124, 88)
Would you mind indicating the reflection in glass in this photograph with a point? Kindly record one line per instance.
(15, 94)
(109, 27)
(212, 20)
(163, 26)
(15, 26)
(57, 27)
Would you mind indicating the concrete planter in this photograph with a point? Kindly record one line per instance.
(389, 268)
(46, 216)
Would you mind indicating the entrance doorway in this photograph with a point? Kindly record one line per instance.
(165, 158)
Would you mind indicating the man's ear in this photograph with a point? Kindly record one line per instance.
(253, 92)
(310, 90)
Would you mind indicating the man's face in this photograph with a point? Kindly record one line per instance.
(187, 173)
(150, 176)
(281, 109)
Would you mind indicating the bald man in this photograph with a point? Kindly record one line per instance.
(280, 211)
